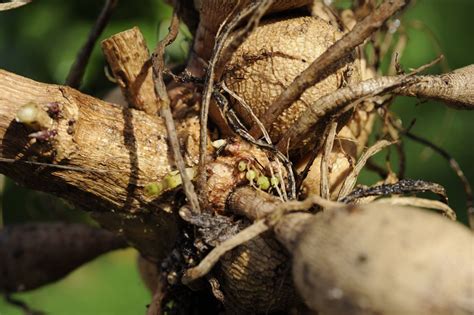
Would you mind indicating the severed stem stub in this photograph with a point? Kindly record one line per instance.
(129, 60)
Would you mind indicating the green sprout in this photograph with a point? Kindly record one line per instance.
(274, 181)
(263, 182)
(172, 180)
(250, 175)
(242, 166)
(153, 189)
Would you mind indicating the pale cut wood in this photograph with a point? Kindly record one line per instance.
(129, 60)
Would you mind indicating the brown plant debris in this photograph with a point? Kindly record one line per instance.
(402, 187)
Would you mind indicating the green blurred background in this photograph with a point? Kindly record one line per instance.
(40, 41)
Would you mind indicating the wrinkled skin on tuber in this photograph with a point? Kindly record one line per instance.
(261, 69)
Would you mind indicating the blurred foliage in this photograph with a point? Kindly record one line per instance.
(109, 285)
(41, 40)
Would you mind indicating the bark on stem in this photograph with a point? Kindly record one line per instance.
(119, 150)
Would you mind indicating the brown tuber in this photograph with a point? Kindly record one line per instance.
(213, 12)
(261, 69)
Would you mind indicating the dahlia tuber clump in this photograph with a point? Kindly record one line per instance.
(237, 177)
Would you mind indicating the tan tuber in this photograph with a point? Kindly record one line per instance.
(381, 259)
(261, 69)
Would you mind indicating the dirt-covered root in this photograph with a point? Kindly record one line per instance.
(379, 259)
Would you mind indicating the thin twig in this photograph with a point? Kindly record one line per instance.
(249, 110)
(13, 4)
(165, 111)
(223, 34)
(404, 186)
(77, 70)
(433, 38)
(397, 53)
(401, 159)
(330, 60)
(454, 166)
(372, 166)
(325, 190)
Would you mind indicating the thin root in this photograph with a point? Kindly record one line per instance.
(351, 179)
(420, 203)
(165, 111)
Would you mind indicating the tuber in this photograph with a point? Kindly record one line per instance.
(260, 69)
(380, 259)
